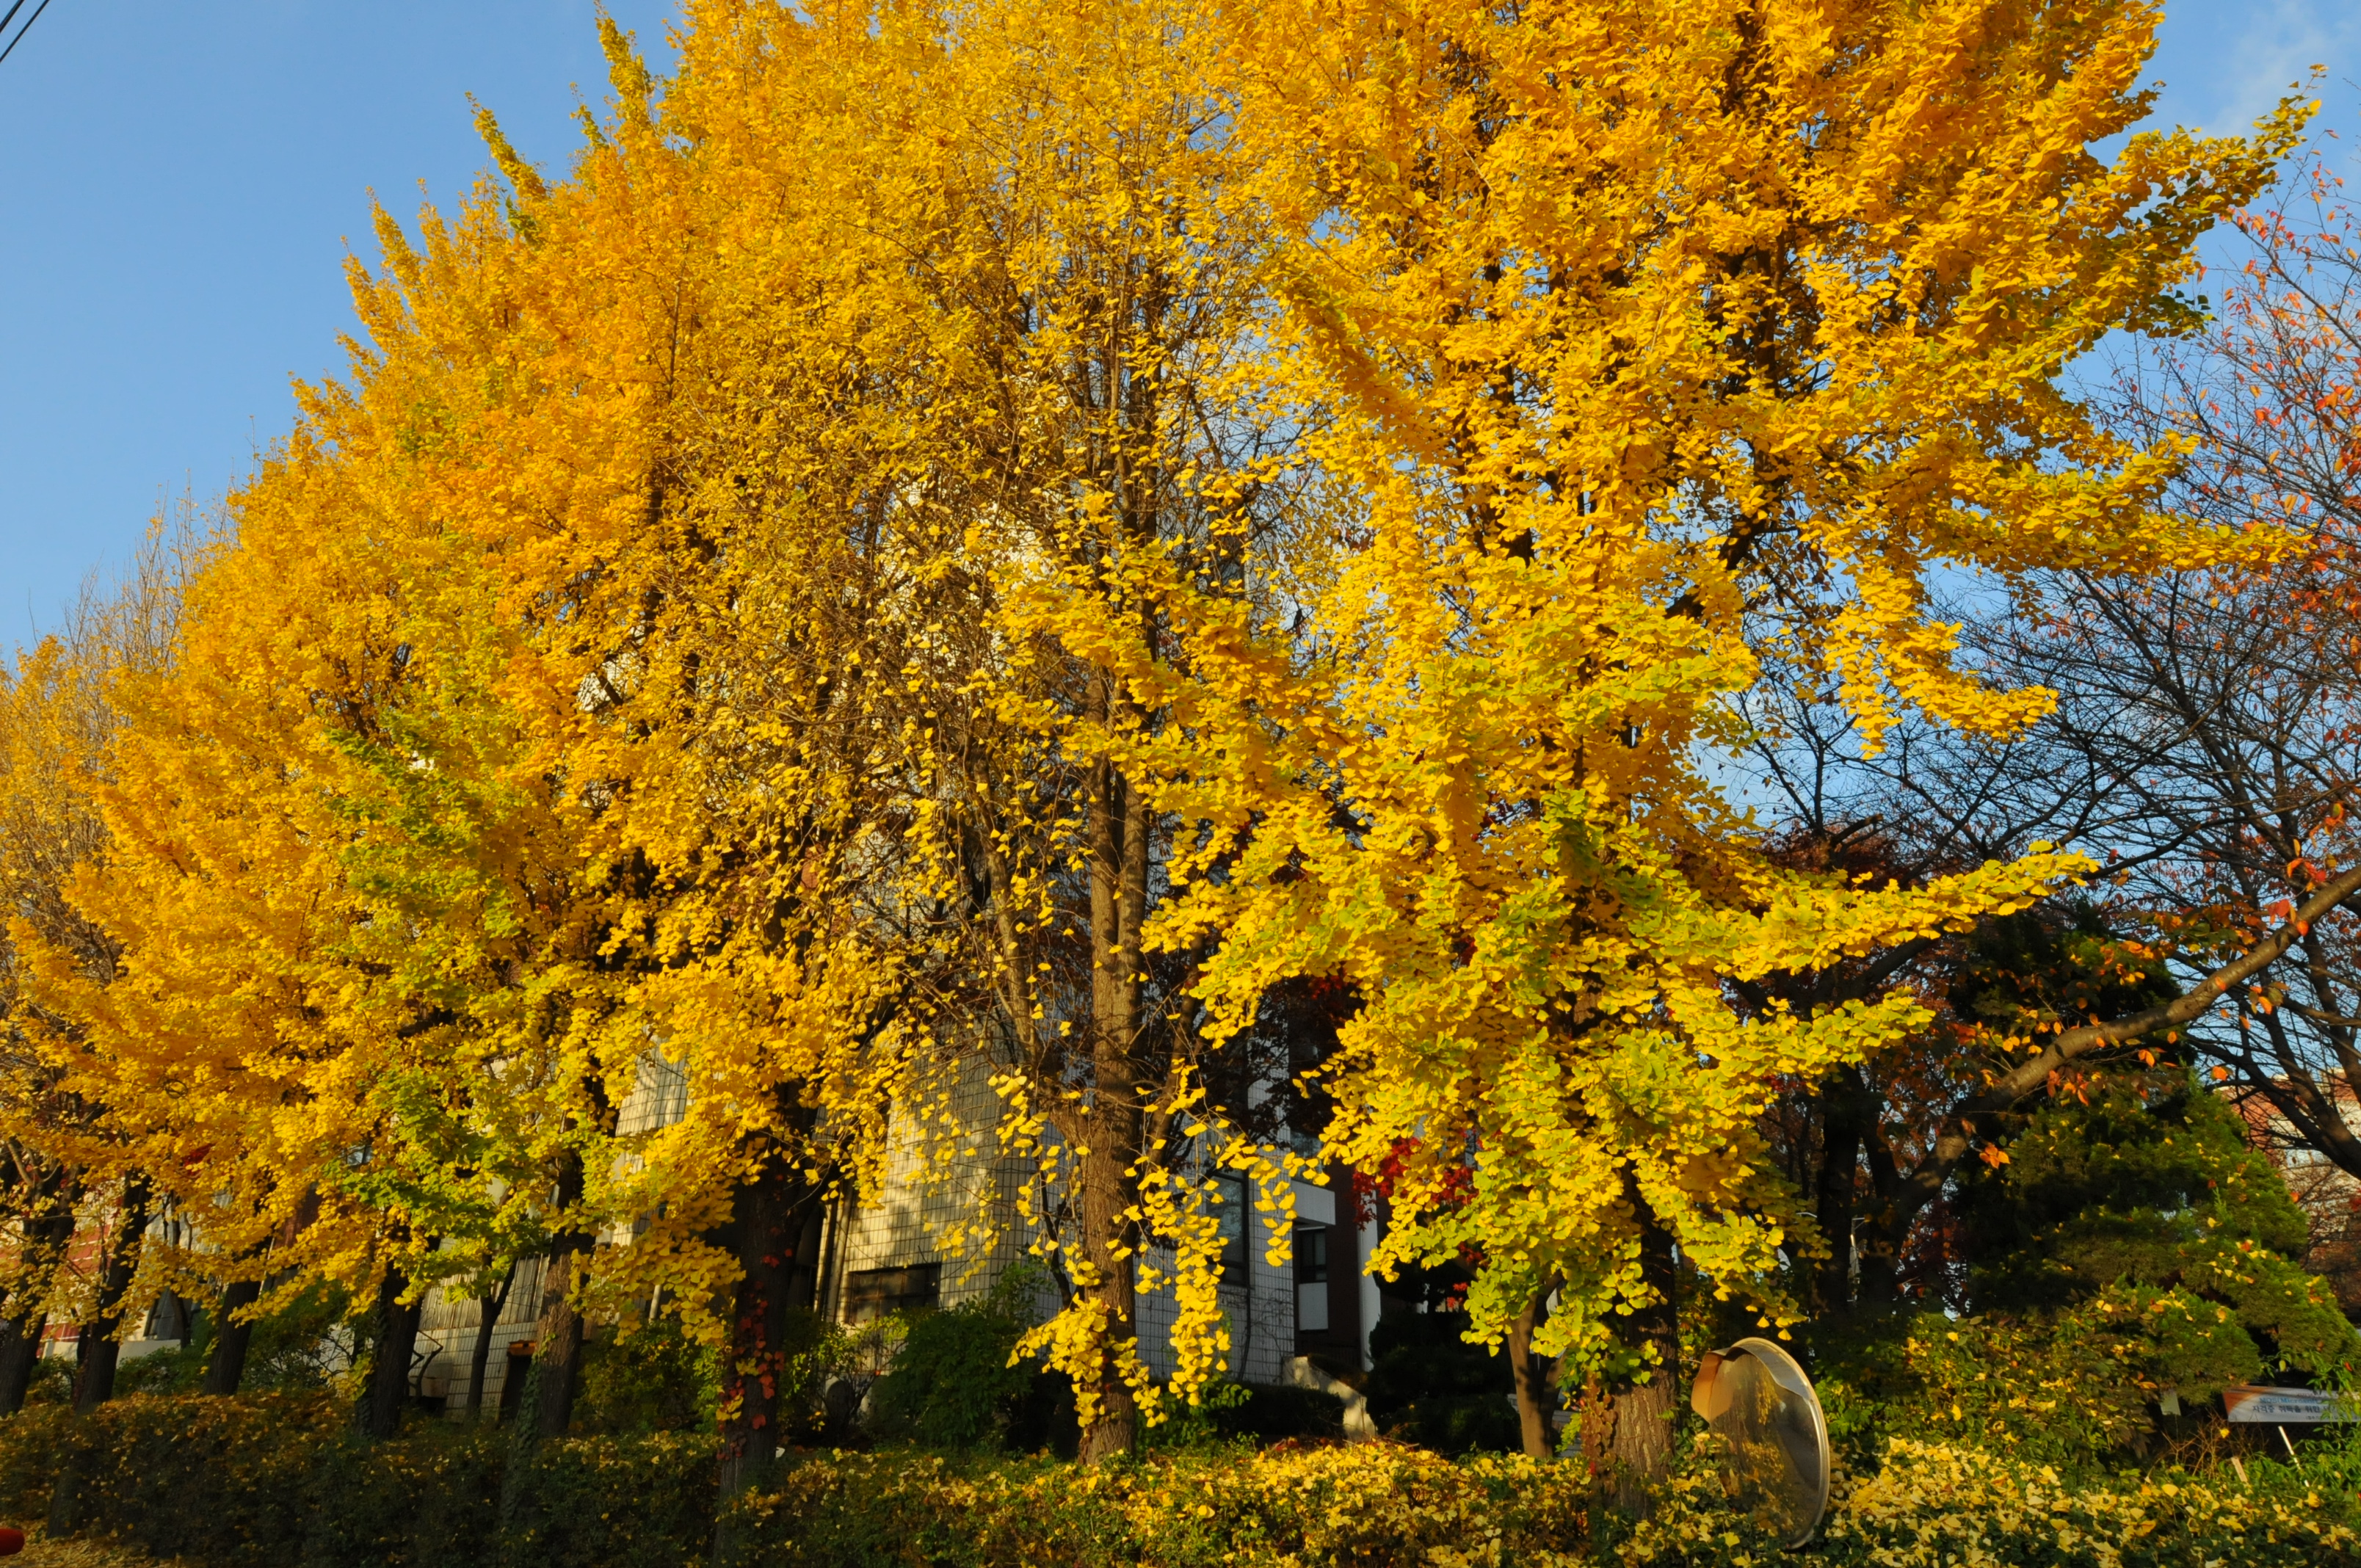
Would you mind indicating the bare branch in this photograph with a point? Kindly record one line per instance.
(1922, 1185)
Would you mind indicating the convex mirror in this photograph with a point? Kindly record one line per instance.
(1775, 1460)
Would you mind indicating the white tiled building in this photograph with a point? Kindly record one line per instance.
(888, 1252)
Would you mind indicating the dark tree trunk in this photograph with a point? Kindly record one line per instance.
(1108, 1197)
(46, 1235)
(1117, 821)
(557, 1347)
(1883, 1229)
(769, 1224)
(233, 1337)
(1598, 1456)
(1843, 1096)
(20, 1352)
(492, 1307)
(1645, 1406)
(804, 1289)
(388, 1389)
(98, 1350)
(1532, 1375)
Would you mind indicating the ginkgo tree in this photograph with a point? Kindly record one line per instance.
(720, 597)
(518, 737)
(1089, 240)
(68, 1158)
(322, 894)
(1677, 346)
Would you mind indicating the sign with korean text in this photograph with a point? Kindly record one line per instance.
(2274, 1406)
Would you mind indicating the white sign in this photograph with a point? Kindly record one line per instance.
(2274, 1406)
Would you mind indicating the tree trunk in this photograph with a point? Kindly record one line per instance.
(97, 1349)
(20, 1352)
(1109, 1195)
(388, 1388)
(46, 1235)
(1645, 1404)
(1843, 1095)
(1598, 1455)
(769, 1223)
(1531, 1376)
(557, 1348)
(1644, 1441)
(1883, 1229)
(1115, 1128)
(490, 1319)
(233, 1336)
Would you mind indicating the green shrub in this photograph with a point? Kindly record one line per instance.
(177, 1371)
(52, 1382)
(300, 1345)
(640, 1502)
(1230, 1414)
(648, 1378)
(1209, 1426)
(1272, 1414)
(1429, 1386)
(2037, 1389)
(951, 1386)
(297, 1347)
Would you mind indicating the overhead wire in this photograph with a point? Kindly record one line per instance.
(28, 27)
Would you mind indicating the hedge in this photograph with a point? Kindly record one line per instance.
(280, 1480)
(1933, 1505)
(1365, 1505)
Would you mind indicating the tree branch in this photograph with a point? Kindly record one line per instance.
(1927, 1179)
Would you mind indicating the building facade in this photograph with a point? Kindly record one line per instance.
(898, 1250)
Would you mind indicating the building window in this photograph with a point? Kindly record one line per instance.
(873, 1292)
(520, 1367)
(1231, 1216)
(1311, 1279)
(1311, 1254)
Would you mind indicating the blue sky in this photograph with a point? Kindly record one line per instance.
(179, 181)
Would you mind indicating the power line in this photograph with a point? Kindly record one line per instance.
(28, 27)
